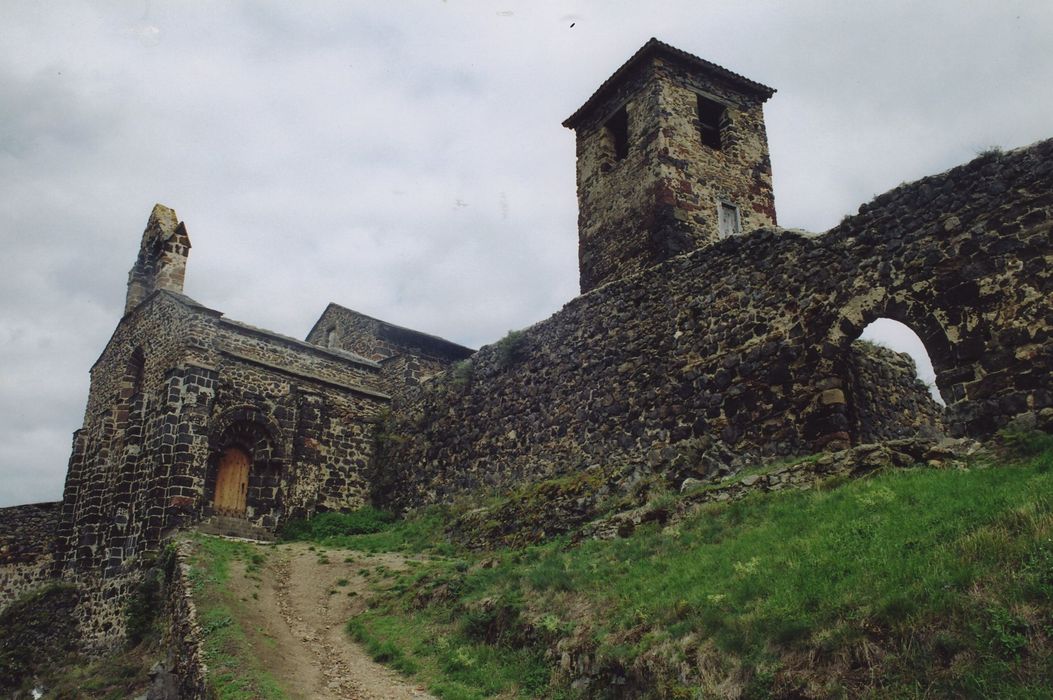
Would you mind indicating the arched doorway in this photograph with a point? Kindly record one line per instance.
(889, 385)
(864, 393)
(232, 482)
(900, 337)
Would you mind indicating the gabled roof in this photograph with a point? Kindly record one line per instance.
(654, 47)
(198, 307)
(403, 335)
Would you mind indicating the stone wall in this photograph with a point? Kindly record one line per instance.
(406, 356)
(183, 632)
(27, 543)
(885, 400)
(742, 348)
(161, 263)
(125, 460)
(175, 387)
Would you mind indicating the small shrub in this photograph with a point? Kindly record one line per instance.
(1027, 444)
(510, 349)
(496, 621)
(461, 373)
(1007, 633)
(364, 521)
(143, 606)
(551, 574)
(214, 623)
(382, 651)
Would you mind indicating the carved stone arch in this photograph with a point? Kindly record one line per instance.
(248, 430)
(253, 430)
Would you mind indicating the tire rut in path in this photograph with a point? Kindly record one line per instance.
(316, 617)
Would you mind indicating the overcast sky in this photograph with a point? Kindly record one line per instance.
(406, 159)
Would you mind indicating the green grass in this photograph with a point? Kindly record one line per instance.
(454, 667)
(370, 530)
(233, 671)
(910, 582)
(362, 521)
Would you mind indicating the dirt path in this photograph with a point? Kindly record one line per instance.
(296, 614)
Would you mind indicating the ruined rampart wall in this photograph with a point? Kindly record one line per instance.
(183, 634)
(885, 399)
(27, 544)
(742, 348)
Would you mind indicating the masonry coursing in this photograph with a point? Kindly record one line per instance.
(886, 400)
(27, 543)
(406, 357)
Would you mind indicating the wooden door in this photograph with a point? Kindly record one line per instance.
(232, 482)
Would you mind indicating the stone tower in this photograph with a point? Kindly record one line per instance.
(162, 257)
(672, 155)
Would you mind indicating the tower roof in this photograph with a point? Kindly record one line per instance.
(654, 47)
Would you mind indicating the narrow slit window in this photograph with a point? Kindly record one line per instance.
(617, 128)
(711, 119)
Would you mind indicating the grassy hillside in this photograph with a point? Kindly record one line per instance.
(910, 583)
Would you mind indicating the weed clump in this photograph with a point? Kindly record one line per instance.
(461, 373)
(510, 349)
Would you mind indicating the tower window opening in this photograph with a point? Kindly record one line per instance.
(729, 221)
(712, 116)
(617, 128)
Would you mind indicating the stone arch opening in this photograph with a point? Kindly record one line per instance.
(245, 454)
(846, 409)
(885, 396)
(901, 338)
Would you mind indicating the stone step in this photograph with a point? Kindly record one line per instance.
(234, 527)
